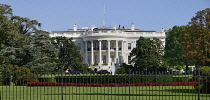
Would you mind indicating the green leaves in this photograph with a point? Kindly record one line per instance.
(148, 54)
(42, 53)
(22, 44)
(25, 25)
(195, 41)
(69, 57)
(202, 19)
(5, 10)
(174, 52)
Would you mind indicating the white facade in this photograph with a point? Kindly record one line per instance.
(102, 47)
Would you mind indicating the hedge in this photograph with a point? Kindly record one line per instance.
(111, 84)
(121, 79)
(46, 79)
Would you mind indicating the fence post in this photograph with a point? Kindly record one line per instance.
(129, 76)
(62, 84)
(199, 85)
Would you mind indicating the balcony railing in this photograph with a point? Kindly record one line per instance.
(126, 34)
(89, 49)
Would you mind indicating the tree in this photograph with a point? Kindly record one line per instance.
(23, 44)
(25, 25)
(202, 19)
(196, 39)
(8, 30)
(174, 52)
(69, 57)
(196, 43)
(5, 10)
(148, 54)
(42, 53)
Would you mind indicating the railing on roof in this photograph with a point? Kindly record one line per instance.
(110, 33)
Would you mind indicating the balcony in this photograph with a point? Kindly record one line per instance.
(96, 48)
(89, 49)
(118, 48)
(104, 48)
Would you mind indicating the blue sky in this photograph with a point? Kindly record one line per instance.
(59, 15)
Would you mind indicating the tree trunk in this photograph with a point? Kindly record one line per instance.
(187, 69)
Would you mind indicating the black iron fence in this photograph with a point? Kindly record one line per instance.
(122, 86)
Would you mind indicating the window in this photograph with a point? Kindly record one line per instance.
(103, 45)
(79, 46)
(120, 45)
(95, 46)
(112, 45)
(104, 59)
(88, 46)
(129, 46)
(120, 59)
(89, 59)
(129, 60)
(96, 59)
(112, 57)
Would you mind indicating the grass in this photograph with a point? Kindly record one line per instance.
(100, 93)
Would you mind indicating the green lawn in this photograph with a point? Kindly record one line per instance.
(100, 93)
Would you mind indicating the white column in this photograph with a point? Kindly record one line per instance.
(126, 46)
(86, 53)
(91, 52)
(116, 55)
(109, 62)
(82, 52)
(122, 50)
(134, 44)
(99, 55)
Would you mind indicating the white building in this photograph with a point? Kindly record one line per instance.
(105, 47)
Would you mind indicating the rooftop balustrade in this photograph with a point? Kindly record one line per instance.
(110, 33)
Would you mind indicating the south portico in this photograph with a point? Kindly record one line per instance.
(103, 53)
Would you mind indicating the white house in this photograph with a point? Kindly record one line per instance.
(107, 47)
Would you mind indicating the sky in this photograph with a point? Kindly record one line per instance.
(60, 15)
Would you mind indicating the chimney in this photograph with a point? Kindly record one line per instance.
(162, 30)
(114, 27)
(92, 27)
(75, 27)
(132, 27)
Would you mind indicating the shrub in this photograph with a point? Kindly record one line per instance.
(5, 78)
(18, 73)
(6, 72)
(27, 78)
(204, 70)
(120, 70)
(46, 79)
(126, 78)
(204, 80)
(85, 69)
(110, 84)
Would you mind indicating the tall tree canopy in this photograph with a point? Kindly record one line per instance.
(196, 43)
(8, 30)
(148, 54)
(196, 39)
(25, 25)
(202, 19)
(41, 53)
(23, 44)
(69, 57)
(5, 10)
(174, 52)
